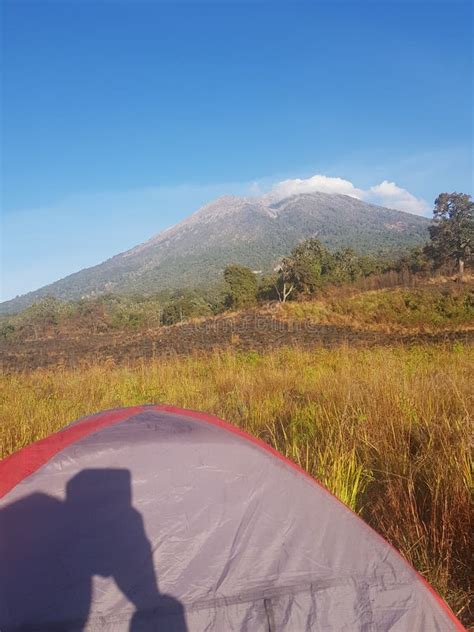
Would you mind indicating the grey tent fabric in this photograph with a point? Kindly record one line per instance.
(169, 520)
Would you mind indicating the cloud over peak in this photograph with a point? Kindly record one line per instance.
(385, 193)
(324, 184)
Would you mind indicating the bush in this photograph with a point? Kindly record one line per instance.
(6, 330)
(242, 286)
(184, 307)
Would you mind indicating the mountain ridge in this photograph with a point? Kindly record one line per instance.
(251, 231)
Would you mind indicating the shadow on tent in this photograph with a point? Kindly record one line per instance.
(51, 549)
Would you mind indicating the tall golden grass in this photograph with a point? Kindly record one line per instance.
(387, 430)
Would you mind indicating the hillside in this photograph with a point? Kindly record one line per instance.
(255, 232)
(429, 312)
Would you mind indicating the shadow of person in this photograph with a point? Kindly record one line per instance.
(50, 550)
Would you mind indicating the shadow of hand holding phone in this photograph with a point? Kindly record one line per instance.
(51, 550)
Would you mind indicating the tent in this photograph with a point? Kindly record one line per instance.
(156, 518)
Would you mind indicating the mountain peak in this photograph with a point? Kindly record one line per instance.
(220, 206)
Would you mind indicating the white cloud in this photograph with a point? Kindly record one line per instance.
(389, 194)
(385, 194)
(325, 184)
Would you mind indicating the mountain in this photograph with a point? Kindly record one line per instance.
(255, 232)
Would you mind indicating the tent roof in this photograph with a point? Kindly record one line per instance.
(166, 517)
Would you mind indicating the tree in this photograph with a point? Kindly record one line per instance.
(370, 264)
(283, 287)
(414, 260)
(301, 272)
(343, 266)
(268, 288)
(182, 306)
(6, 330)
(43, 315)
(452, 231)
(241, 286)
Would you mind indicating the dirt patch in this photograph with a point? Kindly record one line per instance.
(251, 331)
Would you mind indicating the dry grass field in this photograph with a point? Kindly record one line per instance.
(386, 429)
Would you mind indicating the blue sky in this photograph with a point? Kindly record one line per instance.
(121, 118)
